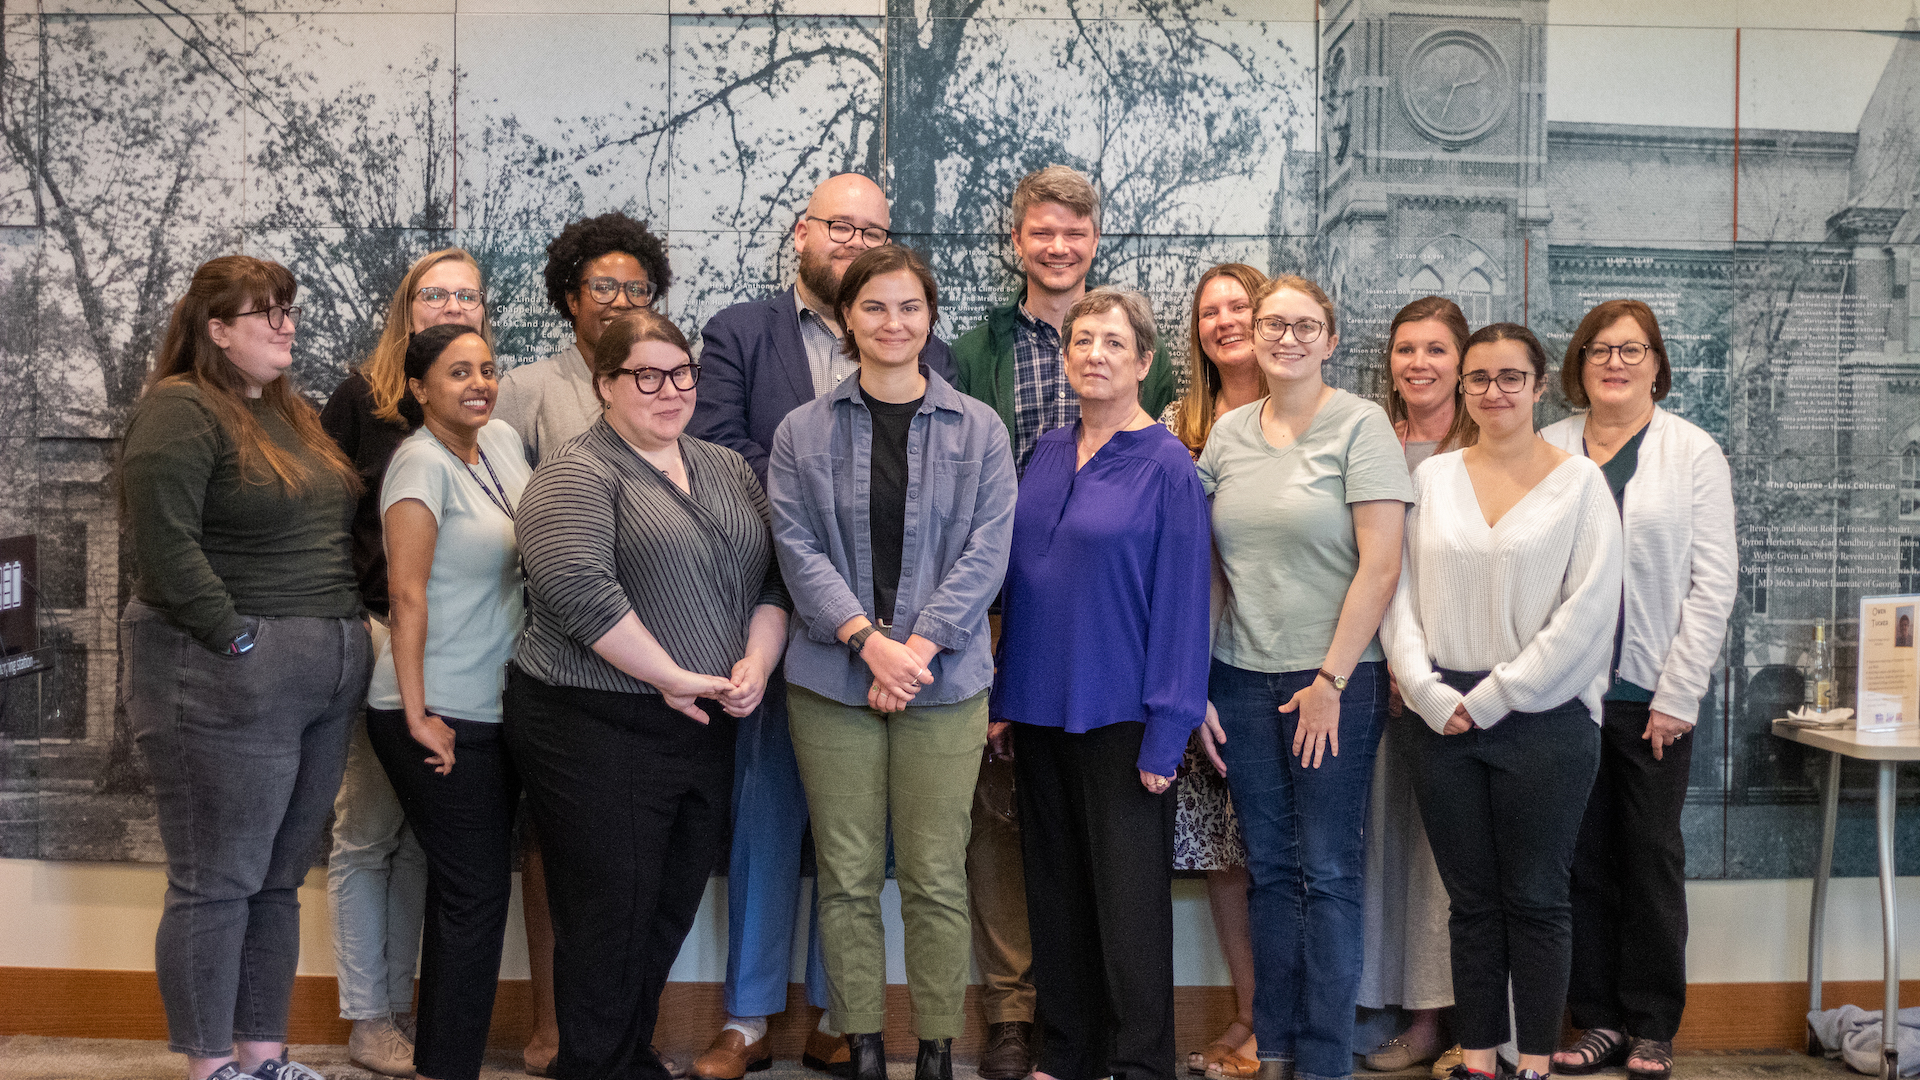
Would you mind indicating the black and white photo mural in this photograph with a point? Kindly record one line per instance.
(1749, 168)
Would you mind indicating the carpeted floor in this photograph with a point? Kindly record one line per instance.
(34, 1057)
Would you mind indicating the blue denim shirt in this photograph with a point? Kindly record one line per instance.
(959, 528)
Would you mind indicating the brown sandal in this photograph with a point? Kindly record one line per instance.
(1234, 1066)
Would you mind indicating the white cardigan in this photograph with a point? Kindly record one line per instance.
(1682, 560)
(1532, 600)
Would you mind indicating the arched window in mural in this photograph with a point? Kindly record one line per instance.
(1426, 282)
(1476, 297)
(1910, 481)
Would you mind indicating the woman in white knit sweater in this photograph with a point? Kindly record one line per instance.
(1675, 496)
(1509, 588)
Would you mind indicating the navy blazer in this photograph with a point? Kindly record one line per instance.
(754, 371)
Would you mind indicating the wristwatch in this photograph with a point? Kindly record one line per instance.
(1339, 681)
(858, 640)
(241, 643)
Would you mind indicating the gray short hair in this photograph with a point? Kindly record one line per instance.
(1104, 299)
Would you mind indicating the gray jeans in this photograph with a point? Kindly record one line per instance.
(245, 753)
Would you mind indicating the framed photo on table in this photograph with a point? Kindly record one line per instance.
(1888, 697)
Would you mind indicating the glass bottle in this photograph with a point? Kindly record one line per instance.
(1820, 671)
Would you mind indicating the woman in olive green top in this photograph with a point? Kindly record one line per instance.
(245, 655)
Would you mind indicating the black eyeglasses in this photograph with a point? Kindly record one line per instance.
(277, 315)
(1273, 328)
(650, 380)
(1631, 353)
(606, 290)
(841, 232)
(436, 298)
(1509, 381)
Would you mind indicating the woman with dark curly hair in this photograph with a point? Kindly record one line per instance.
(598, 269)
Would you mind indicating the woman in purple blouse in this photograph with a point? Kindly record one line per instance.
(1103, 670)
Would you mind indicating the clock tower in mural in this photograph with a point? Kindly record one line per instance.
(1433, 158)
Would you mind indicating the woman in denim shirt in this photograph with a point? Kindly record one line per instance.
(892, 515)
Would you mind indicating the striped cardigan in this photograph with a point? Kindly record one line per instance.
(603, 533)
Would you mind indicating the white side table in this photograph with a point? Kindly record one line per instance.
(1889, 749)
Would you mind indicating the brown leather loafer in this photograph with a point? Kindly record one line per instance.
(828, 1054)
(732, 1057)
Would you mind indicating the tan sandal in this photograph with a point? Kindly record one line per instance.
(1233, 1066)
(1199, 1060)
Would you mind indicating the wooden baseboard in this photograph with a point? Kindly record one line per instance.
(80, 1003)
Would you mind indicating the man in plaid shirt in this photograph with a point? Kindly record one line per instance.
(1012, 361)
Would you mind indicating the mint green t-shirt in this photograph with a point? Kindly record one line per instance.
(1284, 530)
(475, 597)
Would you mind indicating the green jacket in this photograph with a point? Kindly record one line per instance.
(983, 365)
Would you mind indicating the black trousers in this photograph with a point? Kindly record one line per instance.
(1097, 848)
(1630, 884)
(464, 822)
(630, 797)
(1502, 806)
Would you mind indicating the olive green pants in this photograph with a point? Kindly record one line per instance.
(917, 767)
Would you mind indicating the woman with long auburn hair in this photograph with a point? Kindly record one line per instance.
(245, 655)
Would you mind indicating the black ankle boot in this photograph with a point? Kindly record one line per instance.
(868, 1056)
(936, 1060)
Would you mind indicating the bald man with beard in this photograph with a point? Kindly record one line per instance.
(760, 360)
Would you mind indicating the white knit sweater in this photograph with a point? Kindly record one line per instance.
(1533, 600)
(1682, 563)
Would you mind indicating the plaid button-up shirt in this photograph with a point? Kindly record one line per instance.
(1042, 398)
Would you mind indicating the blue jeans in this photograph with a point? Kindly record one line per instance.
(246, 753)
(1305, 831)
(763, 869)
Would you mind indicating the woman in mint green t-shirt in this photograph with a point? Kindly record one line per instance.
(433, 711)
(1309, 491)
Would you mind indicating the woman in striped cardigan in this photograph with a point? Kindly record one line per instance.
(656, 616)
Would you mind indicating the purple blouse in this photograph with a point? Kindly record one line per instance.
(1109, 568)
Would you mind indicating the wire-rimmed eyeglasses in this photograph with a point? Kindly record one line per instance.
(436, 298)
(1273, 328)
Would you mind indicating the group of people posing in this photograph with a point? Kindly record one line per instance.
(1029, 613)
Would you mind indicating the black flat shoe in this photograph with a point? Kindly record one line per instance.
(935, 1061)
(867, 1056)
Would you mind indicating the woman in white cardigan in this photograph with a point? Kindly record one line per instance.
(1675, 494)
(1509, 588)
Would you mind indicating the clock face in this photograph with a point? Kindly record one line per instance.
(1455, 86)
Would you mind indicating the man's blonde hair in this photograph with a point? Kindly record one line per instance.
(1056, 184)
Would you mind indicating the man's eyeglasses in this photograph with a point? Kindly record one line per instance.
(436, 298)
(606, 290)
(842, 232)
(649, 380)
(1631, 353)
(1509, 381)
(277, 315)
(1273, 328)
